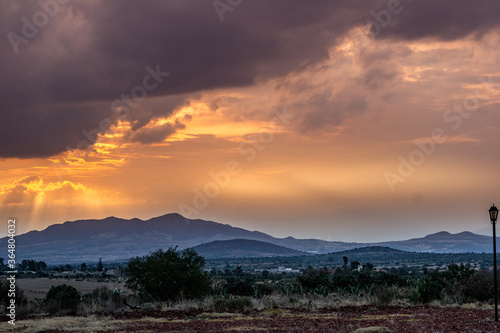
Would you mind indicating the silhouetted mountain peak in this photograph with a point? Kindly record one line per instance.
(466, 234)
(444, 235)
(440, 234)
(171, 217)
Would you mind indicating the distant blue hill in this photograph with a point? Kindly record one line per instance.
(444, 242)
(113, 238)
(244, 248)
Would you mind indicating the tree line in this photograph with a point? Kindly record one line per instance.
(172, 276)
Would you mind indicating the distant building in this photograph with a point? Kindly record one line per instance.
(279, 270)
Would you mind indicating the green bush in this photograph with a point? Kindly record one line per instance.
(240, 287)
(312, 279)
(455, 281)
(169, 275)
(480, 287)
(103, 299)
(448, 286)
(232, 304)
(62, 298)
(428, 289)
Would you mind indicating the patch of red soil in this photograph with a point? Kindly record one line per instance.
(343, 319)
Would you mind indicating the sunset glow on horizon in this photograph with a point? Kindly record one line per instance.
(291, 119)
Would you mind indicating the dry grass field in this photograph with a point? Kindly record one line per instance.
(38, 288)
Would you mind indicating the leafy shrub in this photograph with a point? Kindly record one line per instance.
(450, 285)
(455, 281)
(313, 279)
(261, 290)
(428, 289)
(240, 287)
(62, 298)
(480, 286)
(103, 299)
(380, 294)
(169, 275)
(232, 304)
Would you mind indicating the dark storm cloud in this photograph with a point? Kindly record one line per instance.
(65, 77)
(444, 20)
(156, 134)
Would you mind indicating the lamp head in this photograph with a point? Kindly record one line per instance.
(493, 214)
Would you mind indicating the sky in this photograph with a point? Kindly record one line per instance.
(340, 120)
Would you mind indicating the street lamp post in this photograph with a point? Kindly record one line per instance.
(493, 217)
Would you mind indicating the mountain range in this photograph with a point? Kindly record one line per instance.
(118, 239)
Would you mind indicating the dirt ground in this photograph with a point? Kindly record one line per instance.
(344, 319)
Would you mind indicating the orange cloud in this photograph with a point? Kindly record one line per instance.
(32, 191)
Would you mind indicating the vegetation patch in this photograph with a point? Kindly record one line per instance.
(71, 324)
(372, 329)
(233, 304)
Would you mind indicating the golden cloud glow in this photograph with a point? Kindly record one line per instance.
(32, 191)
(31, 199)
